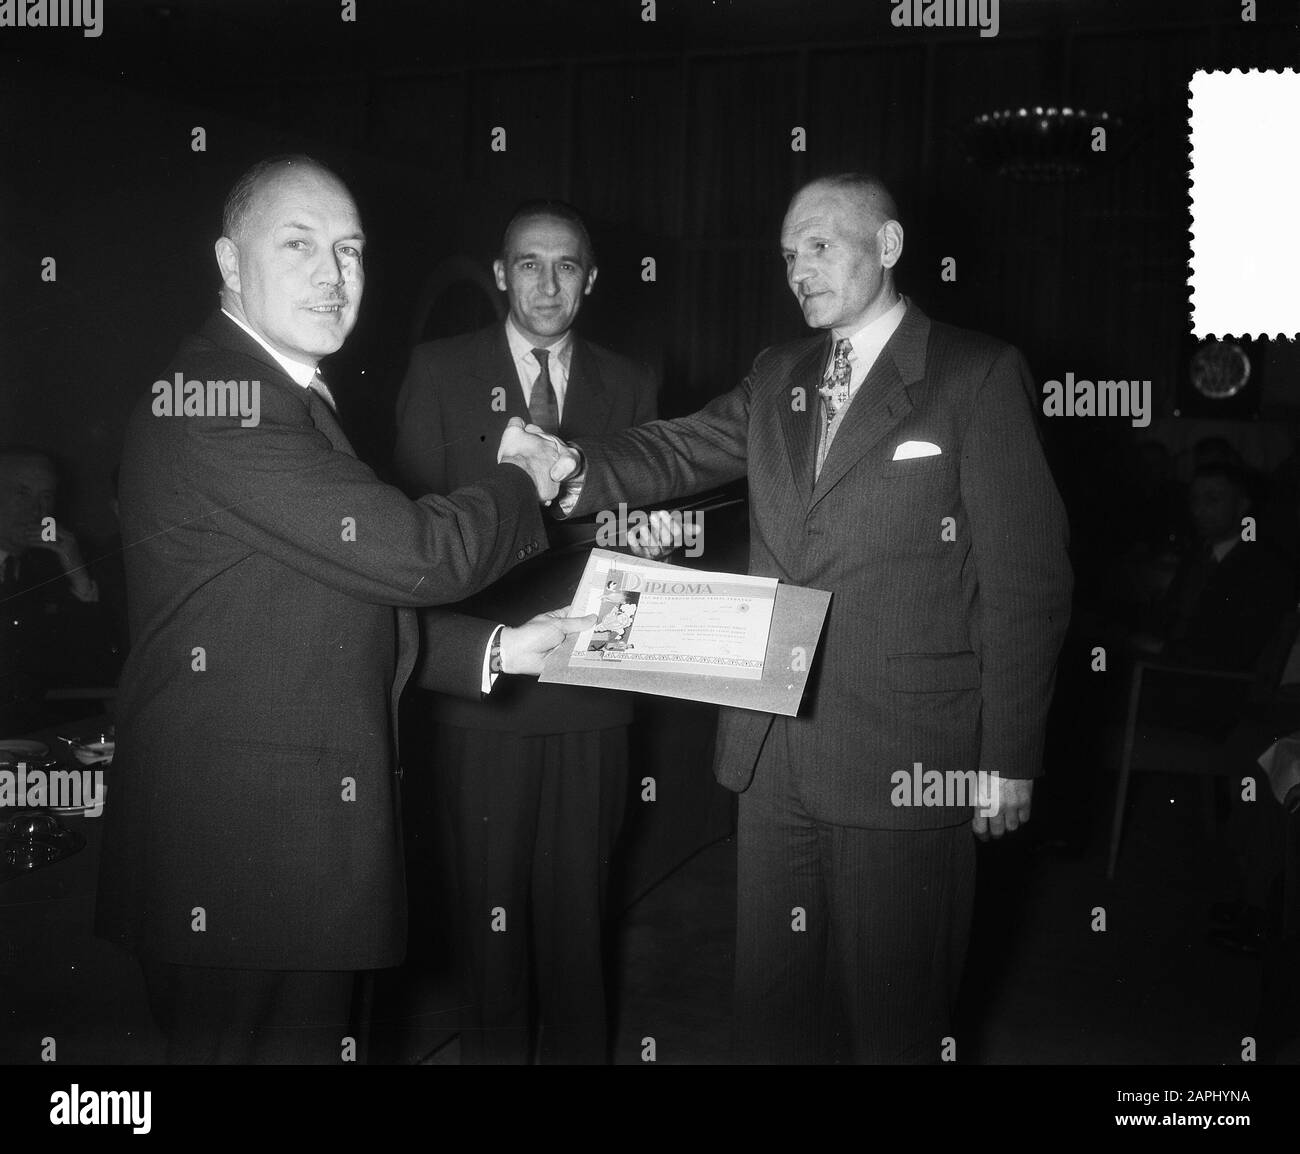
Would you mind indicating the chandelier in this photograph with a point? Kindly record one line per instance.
(1043, 145)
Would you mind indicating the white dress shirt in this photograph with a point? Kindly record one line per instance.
(528, 368)
(299, 372)
(868, 342)
(1221, 549)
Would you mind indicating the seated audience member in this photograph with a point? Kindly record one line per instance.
(1256, 829)
(1162, 502)
(52, 632)
(1279, 514)
(1229, 591)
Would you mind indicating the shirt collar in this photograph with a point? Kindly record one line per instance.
(521, 347)
(1221, 549)
(301, 374)
(874, 335)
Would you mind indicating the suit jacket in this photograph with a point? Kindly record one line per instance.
(250, 820)
(1221, 614)
(940, 646)
(456, 399)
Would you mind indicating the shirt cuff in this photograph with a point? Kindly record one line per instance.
(490, 678)
(571, 489)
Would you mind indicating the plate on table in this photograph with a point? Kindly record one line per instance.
(93, 752)
(90, 790)
(16, 749)
(95, 807)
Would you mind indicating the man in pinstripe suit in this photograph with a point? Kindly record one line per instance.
(894, 461)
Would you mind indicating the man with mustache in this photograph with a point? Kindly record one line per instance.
(894, 461)
(251, 858)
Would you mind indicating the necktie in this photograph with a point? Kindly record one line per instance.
(321, 389)
(320, 407)
(543, 408)
(834, 392)
(835, 388)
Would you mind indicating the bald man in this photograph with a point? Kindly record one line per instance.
(251, 858)
(894, 461)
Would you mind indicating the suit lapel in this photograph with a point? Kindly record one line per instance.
(881, 402)
(801, 426)
(586, 404)
(495, 368)
(324, 420)
(221, 330)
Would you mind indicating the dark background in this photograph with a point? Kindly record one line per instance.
(674, 139)
(673, 136)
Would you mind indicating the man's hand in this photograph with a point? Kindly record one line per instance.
(1011, 799)
(658, 538)
(524, 648)
(570, 463)
(65, 548)
(535, 453)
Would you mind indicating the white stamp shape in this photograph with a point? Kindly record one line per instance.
(1245, 139)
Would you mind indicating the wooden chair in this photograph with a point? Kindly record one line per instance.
(1153, 748)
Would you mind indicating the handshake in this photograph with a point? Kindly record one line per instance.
(545, 458)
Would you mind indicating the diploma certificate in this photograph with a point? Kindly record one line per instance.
(727, 638)
(673, 621)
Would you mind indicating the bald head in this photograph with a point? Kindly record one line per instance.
(290, 257)
(841, 239)
(873, 203)
(244, 195)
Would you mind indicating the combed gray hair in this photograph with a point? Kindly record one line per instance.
(870, 188)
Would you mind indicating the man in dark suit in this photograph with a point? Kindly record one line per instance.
(531, 781)
(251, 858)
(916, 491)
(1230, 590)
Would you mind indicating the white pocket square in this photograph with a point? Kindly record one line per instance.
(910, 449)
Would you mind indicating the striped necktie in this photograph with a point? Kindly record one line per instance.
(543, 407)
(321, 389)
